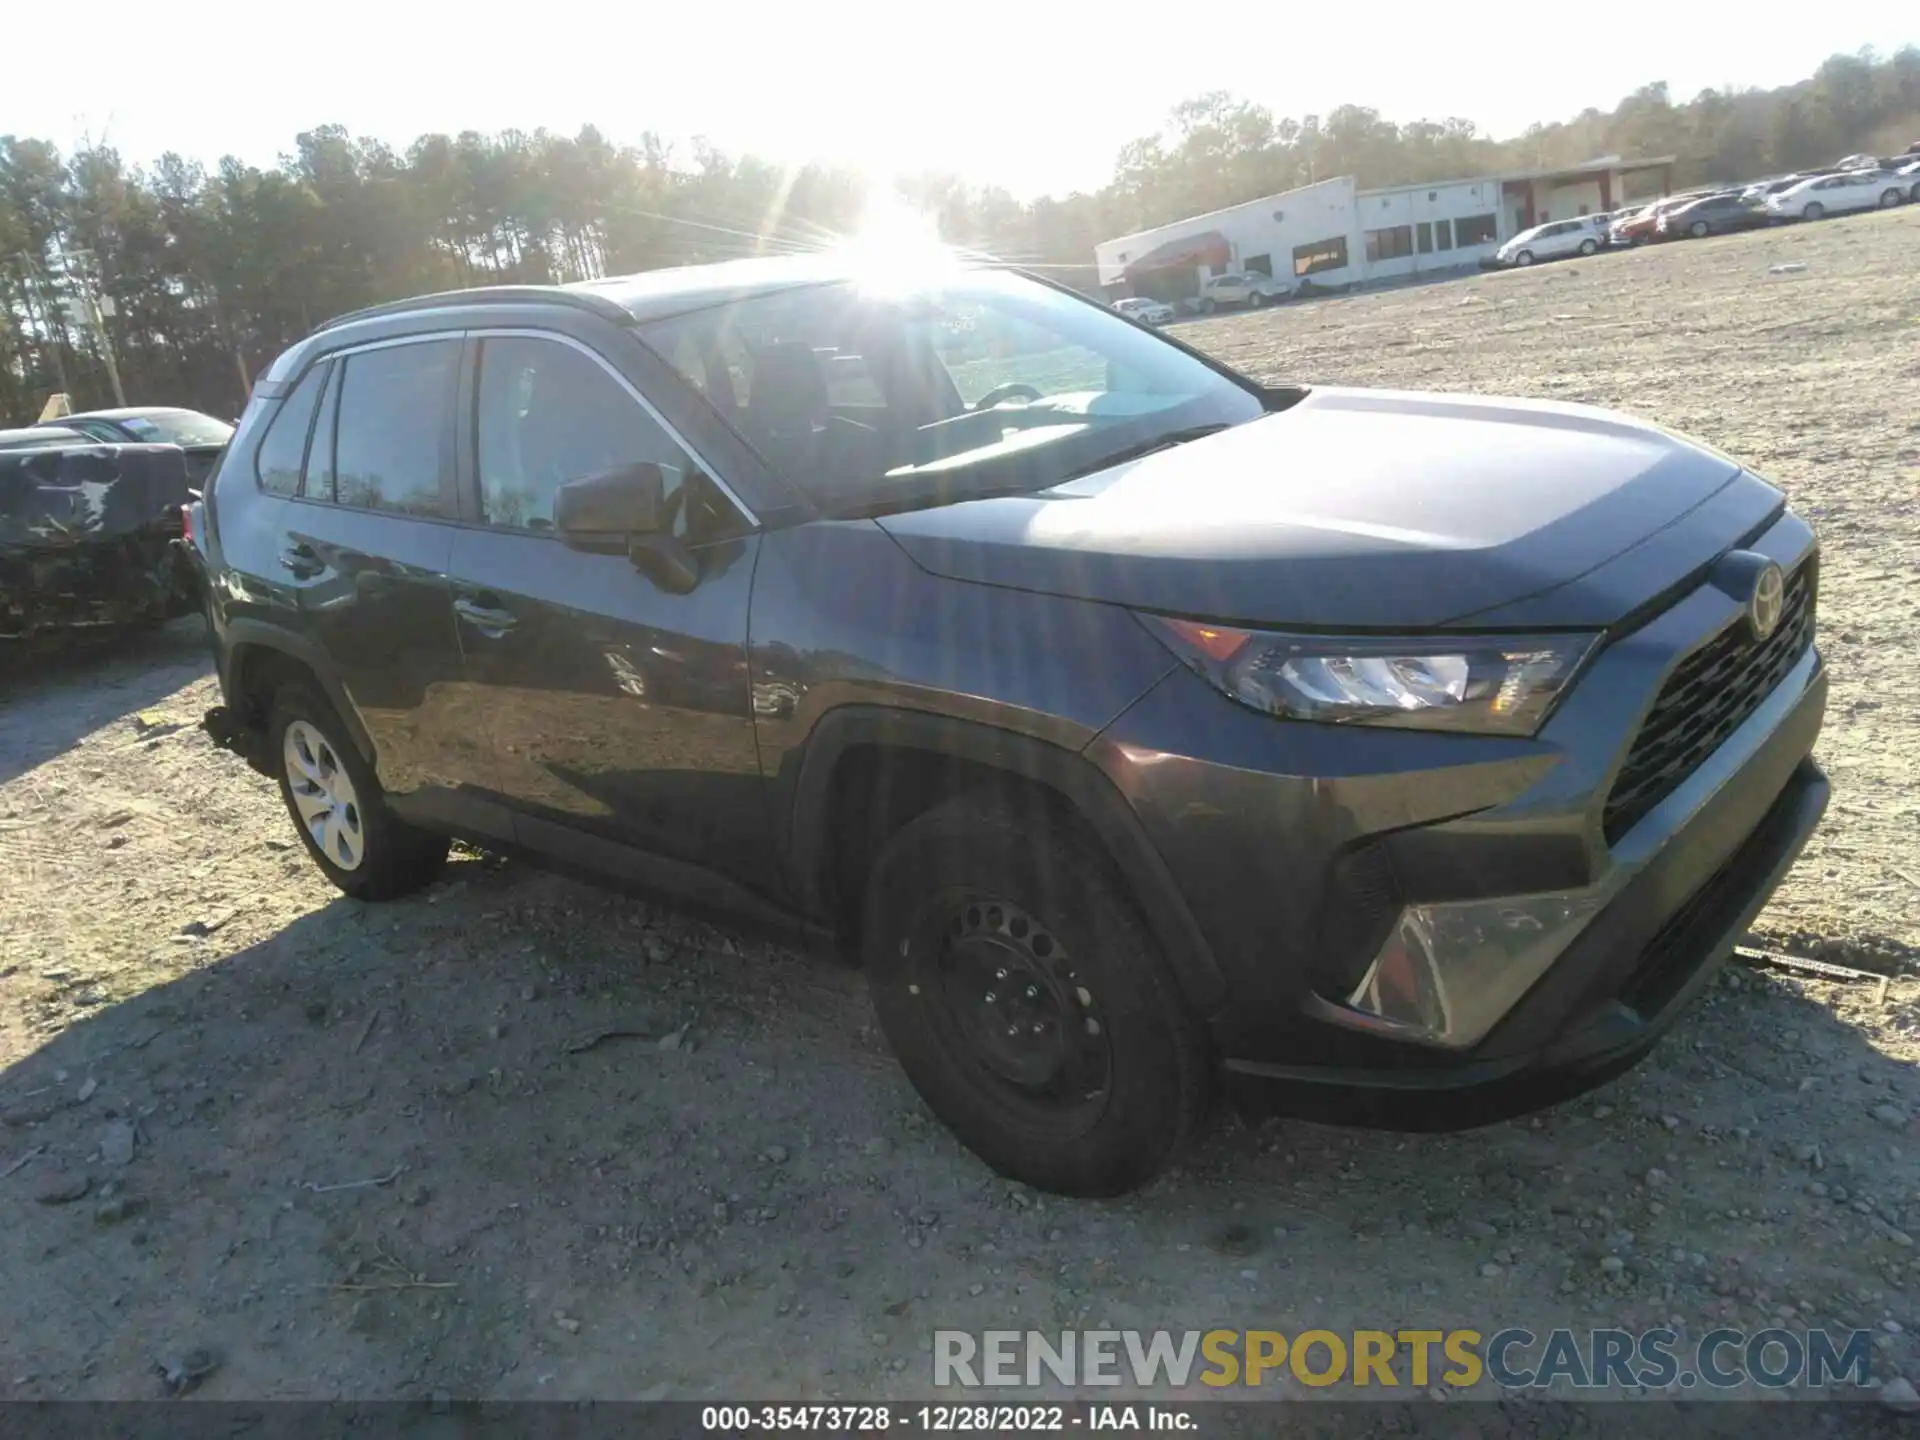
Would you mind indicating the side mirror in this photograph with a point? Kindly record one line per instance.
(602, 513)
(625, 511)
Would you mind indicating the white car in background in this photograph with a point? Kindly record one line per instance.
(1820, 195)
(1250, 290)
(1553, 240)
(1909, 176)
(1145, 309)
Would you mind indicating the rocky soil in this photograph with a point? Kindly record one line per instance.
(518, 1138)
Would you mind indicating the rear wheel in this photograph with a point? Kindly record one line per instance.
(338, 807)
(1027, 1002)
(1890, 199)
(1255, 300)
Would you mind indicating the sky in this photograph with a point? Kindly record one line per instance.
(1033, 96)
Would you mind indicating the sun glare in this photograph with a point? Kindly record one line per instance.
(896, 248)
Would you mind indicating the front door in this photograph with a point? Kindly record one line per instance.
(612, 717)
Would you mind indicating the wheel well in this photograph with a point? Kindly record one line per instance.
(259, 671)
(878, 789)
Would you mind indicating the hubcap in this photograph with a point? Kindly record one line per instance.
(1019, 1005)
(323, 795)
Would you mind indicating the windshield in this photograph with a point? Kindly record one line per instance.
(982, 383)
(177, 427)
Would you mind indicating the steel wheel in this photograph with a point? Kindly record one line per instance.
(1018, 1008)
(323, 795)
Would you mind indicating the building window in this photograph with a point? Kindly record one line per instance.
(1260, 265)
(1389, 244)
(1320, 255)
(1474, 230)
(1443, 234)
(1426, 238)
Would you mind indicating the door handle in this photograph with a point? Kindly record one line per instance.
(493, 619)
(302, 560)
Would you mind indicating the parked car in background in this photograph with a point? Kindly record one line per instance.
(1553, 241)
(1644, 224)
(1851, 190)
(41, 437)
(1249, 290)
(1909, 176)
(1713, 215)
(1773, 185)
(200, 436)
(89, 536)
(1083, 720)
(1145, 309)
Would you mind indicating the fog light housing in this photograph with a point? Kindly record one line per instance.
(1449, 972)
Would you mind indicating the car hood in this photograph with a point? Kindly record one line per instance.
(1372, 509)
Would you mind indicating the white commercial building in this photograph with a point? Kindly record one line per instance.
(1332, 234)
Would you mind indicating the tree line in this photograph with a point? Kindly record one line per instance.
(196, 277)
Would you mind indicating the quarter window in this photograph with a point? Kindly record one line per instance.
(548, 414)
(392, 448)
(282, 448)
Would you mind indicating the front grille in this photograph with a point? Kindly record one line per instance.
(1704, 701)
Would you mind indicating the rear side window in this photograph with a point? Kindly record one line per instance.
(277, 462)
(393, 436)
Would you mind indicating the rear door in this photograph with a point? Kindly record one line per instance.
(610, 717)
(364, 541)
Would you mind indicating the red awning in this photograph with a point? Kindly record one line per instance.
(1209, 249)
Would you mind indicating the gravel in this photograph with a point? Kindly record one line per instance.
(736, 1215)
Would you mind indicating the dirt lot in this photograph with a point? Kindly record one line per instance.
(368, 1152)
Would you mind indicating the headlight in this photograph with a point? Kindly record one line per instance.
(1479, 684)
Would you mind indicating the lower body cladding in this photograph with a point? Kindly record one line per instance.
(1429, 932)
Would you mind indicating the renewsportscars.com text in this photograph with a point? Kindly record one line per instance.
(1513, 1358)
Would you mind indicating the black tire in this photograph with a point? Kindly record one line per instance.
(1699, 229)
(1813, 211)
(1206, 306)
(1891, 198)
(1255, 300)
(1589, 247)
(1525, 257)
(397, 859)
(1028, 891)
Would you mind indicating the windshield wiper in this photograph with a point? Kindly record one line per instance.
(1165, 441)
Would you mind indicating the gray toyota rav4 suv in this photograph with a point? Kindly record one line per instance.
(1396, 759)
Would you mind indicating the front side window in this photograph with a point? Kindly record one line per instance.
(392, 445)
(547, 414)
(974, 381)
(277, 461)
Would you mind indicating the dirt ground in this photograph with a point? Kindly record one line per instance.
(520, 1138)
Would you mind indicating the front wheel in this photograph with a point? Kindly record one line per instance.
(338, 806)
(1890, 199)
(1026, 1000)
(1813, 211)
(1525, 257)
(1256, 300)
(1589, 247)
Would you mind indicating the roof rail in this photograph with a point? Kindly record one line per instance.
(489, 295)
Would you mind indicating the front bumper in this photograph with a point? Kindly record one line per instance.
(1296, 847)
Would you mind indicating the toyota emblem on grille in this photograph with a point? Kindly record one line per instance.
(1764, 605)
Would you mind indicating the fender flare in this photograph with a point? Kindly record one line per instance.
(262, 635)
(807, 804)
